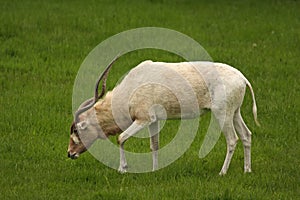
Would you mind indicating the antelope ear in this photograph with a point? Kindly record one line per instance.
(98, 105)
(82, 125)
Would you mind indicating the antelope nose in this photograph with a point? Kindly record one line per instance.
(72, 156)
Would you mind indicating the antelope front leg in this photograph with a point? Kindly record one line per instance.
(154, 143)
(123, 163)
(135, 127)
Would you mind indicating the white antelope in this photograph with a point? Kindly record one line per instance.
(130, 106)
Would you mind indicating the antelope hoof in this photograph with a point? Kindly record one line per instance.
(122, 170)
(222, 173)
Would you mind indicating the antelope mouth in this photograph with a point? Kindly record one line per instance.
(73, 156)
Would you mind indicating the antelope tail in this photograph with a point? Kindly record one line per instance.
(254, 107)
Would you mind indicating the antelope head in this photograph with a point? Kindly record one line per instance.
(85, 128)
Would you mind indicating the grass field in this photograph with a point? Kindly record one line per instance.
(42, 45)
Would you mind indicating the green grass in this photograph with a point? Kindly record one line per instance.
(42, 45)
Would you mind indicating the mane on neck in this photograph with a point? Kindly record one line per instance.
(105, 117)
